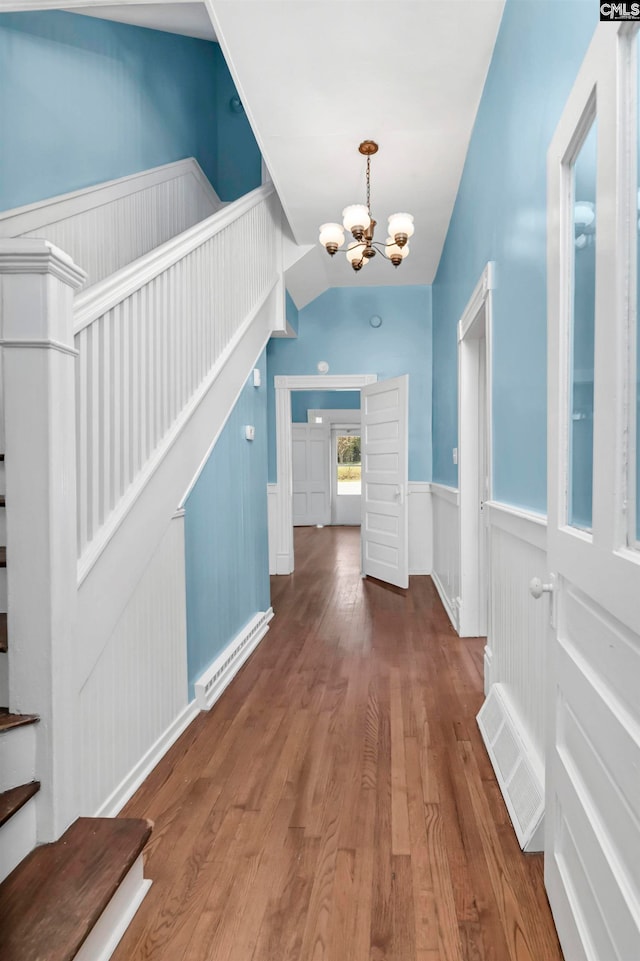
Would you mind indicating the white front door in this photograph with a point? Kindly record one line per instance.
(385, 474)
(346, 480)
(310, 468)
(592, 816)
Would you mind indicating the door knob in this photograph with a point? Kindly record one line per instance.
(537, 588)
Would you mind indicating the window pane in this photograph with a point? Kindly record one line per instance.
(582, 338)
(349, 467)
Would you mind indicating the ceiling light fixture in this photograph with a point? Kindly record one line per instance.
(358, 220)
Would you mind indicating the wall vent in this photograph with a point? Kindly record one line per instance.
(219, 675)
(516, 768)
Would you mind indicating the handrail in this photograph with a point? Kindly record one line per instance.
(103, 296)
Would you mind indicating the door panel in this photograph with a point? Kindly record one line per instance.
(592, 844)
(310, 467)
(385, 473)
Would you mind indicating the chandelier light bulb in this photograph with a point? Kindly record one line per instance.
(401, 228)
(355, 256)
(395, 253)
(332, 237)
(356, 219)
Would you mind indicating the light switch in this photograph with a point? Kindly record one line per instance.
(455, 455)
(250, 432)
(257, 378)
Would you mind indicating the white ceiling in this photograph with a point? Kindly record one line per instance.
(188, 19)
(318, 76)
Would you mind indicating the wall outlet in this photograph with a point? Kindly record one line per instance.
(455, 455)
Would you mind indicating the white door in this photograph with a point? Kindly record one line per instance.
(592, 811)
(310, 467)
(385, 474)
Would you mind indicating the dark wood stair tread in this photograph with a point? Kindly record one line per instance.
(13, 799)
(52, 900)
(4, 636)
(8, 720)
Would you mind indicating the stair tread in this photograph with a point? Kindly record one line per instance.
(8, 720)
(52, 900)
(4, 636)
(13, 799)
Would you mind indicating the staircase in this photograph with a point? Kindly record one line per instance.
(112, 398)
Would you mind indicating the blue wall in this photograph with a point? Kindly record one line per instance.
(304, 400)
(226, 545)
(500, 214)
(335, 327)
(84, 100)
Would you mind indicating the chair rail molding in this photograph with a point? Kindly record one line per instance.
(284, 489)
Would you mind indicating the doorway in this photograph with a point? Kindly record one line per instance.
(474, 455)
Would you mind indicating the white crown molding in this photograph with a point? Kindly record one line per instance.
(101, 297)
(29, 256)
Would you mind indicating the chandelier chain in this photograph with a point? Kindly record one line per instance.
(369, 185)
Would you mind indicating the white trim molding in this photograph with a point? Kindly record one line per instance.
(19, 255)
(130, 784)
(474, 451)
(284, 557)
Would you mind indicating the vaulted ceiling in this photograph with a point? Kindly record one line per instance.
(318, 76)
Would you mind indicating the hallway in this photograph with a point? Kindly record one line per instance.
(337, 802)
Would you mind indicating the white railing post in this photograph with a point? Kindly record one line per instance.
(36, 313)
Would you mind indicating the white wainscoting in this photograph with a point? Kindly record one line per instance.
(519, 625)
(138, 687)
(420, 527)
(110, 225)
(446, 547)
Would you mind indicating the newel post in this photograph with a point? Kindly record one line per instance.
(36, 321)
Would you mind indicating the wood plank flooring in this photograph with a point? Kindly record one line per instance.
(337, 803)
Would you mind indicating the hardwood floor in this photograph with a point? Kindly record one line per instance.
(337, 803)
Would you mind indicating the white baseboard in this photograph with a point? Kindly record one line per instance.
(130, 784)
(448, 603)
(107, 933)
(219, 675)
(517, 770)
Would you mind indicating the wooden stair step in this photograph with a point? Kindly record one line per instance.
(52, 900)
(8, 720)
(13, 799)
(4, 635)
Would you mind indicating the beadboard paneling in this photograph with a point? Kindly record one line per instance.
(519, 623)
(138, 686)
(446, 547)
(110, 225)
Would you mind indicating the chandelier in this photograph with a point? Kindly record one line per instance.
(358, 220)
